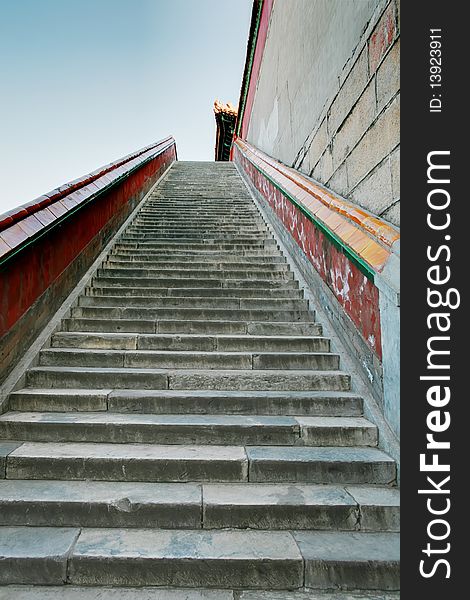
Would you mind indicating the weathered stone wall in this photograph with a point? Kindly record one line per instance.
(328, 97)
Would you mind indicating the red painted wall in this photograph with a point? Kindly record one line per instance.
(358, 296)
(25, 276)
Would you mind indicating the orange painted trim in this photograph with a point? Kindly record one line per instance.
(369, 237)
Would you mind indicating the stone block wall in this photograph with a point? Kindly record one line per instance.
(327, 100)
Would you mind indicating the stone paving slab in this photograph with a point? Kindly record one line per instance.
(315, 595)
(223, 559)
(378, 507)
(35, 554)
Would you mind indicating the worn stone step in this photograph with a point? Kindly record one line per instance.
(187, 379)
(350, 560)
(223, 343)
(197, 506)
(192, 326)
(163, 258)
(342, 465)
(35, 555)
(182, 245)
(214, 463)
(148, 263)
(177, 214)
(78, 592)
(127, 462)
(203, 222)
(99, 289)
(190, 558)
(136, 428)
(188, 273)
(180, 313)
(210, 240)
(71, 592)
(322, 404)
(178, 207)
(224, 559)
(300, 506)
(185, 359)
(174, 283)
(100, 504)
(146, 226)
(229, 455)
(206, 253)
(194, 302)
(187, 429)
(178, 211)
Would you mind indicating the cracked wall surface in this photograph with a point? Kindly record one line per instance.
(328, 97)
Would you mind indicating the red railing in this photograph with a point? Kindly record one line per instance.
(46, 245)
(27, 221)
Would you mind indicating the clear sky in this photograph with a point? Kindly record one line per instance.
(84, 82)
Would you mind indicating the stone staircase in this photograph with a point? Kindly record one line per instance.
(190, 427)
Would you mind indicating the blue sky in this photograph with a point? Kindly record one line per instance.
(87, 81)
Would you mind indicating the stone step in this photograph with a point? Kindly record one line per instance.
(187, 379)
(35, 555)
(184, 359)
(191, 326)
(180, 313)
(149, 263)
(206, 252)
(159, 258)
(187, 429)
(320, 404)
(300, 507)
(235, 206)
(100, 289)
(199, 222)
(175, 220)
(180, 282)
(194, 302)
(148, 226)
(176, 215)
(278, 560)
(209, 463)
(190, 273)
(350, 560)
(212, 206)
(71, 592)
(182, 206)
(205, 245)
(194, 200)
(161, 220)
(222, 343)
(207, 237)
(219, 275)
(198, 506)
(211, 240)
